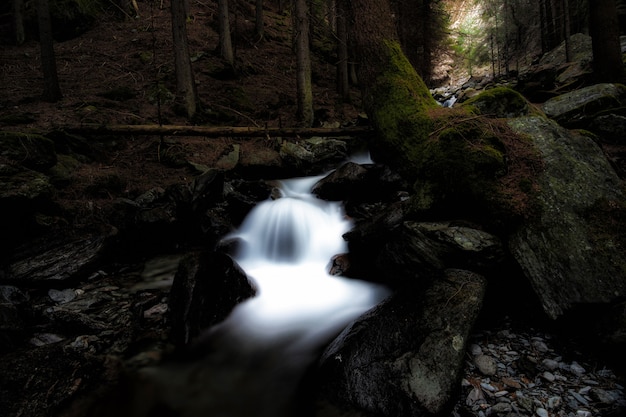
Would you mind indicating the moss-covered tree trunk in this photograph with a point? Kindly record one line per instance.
(394, 96)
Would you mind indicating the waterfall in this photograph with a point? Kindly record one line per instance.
(253, 362)
(286, 246)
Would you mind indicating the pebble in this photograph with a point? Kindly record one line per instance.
(486, 365)
(62, 296)
(520, 373)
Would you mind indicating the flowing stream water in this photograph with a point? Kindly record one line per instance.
(257, 357)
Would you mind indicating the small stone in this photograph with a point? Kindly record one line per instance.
(510, 382)
(62, 296)
(486, 365)
(548, 376)
(554, 402)
(42, 339)
(542, 412)
(578, 397)
(540, 346)
(583, 413)
(576, 369)
(550, 364)
(602, 396)
(487, 387)
(475, 349)
(501, 393)
(501, 409)
(156, 311)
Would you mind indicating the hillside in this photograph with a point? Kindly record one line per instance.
(115, 71)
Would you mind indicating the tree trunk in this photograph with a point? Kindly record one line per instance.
(259, 25)
(185, 81)
(343, 80)
(566, 30)
(51, 90)
(394, 96)
(604, 30)
(226, 46)
(18, 21)
(216, 131)
(303, 62)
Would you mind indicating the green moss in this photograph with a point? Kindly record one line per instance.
(501, 102)
(399, 112)
(459, 167)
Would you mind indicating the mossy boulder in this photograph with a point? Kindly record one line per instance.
(28, 149)
(580, 107)
(501, 102)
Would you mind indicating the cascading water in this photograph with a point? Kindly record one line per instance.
(287, 244)
(251, 364)
(262, 350)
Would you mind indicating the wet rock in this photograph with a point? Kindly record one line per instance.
(403, 358)
(207, 286)
(404, 252)
(355, 183)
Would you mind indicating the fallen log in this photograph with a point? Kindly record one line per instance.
(214, 132)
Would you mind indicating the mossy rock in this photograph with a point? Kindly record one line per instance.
(458, 171)
(501, 102)
(62, 173)
(31, 150)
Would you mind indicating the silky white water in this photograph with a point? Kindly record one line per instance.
(253, 362)
(286, 247)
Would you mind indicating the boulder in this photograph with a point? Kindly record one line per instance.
(569, 251)
(355, 183)
(206, 288)
(55, 263)
(580, 107)
(400, 253)
(501, 102)
(553, 73)
(404, 357)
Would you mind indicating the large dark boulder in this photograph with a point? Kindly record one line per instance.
(569, 251)
(404, 357)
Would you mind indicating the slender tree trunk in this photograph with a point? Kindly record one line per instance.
(226, 46)
(604, 30)
(343, 79)
(18, 21)
(566, 30)
(185, 81)
(51, 90)
(259, 25)
(303, 62)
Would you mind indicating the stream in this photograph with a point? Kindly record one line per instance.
(257, 357)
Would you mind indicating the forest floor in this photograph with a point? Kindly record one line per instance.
(113, 74)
